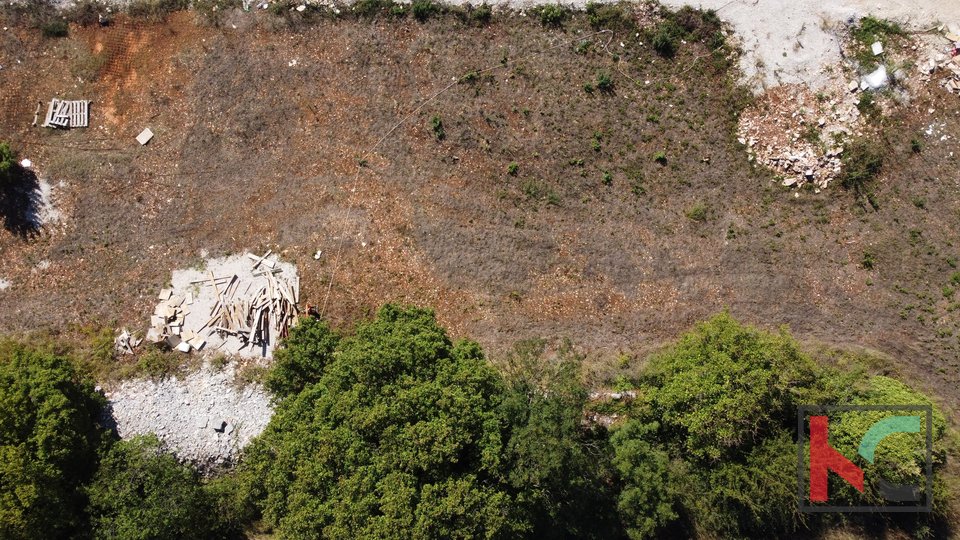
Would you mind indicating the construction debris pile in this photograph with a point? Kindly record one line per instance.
(945, 60)
(798, 134)
(67, 114)
(126, 342)
(243, 304)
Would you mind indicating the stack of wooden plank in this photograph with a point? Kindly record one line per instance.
(67, 114)
(255, 319)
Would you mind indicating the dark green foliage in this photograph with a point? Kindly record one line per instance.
(481, 14)
(558, 469)
(424, 9)
(156, 10)
(868, 260)
(900, 458)
(552, 14)
(436, 124)
(666, 37)
(399, 436)
(300, 361)
(513, 168)
(142, 492)
(724, 386)
(611, 17)
(860, 164)
(915, 146)
(8, 163)
(721, 403)
(56, 28)
(48, 441)
(646, 502)
(604, 82)
(687, 24)
(371, 8)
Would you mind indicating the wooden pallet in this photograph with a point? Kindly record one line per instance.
(67, 114)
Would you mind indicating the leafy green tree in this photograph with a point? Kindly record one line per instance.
(558, 468)
(646, 502)
(721, 403)
(400, 438)
(143, 492)
(7, 162)
(49, 435)
(724, 386)
(305, 352)
(900, 458)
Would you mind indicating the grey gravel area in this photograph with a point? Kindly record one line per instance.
(203, 418)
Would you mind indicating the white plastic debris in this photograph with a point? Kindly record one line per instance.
(144, 136)
(877, 48)
(26, 164)
(301, 8)
(877, 79)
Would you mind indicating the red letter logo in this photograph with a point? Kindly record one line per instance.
(824, 458)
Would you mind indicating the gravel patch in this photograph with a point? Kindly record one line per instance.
(794, 42)
(204, 418)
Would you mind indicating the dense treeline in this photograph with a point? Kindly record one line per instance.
(396, 431)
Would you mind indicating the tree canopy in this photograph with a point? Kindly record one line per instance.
(49, 436)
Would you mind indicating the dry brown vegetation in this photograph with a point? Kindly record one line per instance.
(631, 213)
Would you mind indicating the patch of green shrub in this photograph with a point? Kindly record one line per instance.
(56, 28)
(436, 125)
(860, 164)
(155, 10)
(552, 14)
(425, 9)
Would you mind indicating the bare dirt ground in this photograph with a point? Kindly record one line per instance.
(259, 129)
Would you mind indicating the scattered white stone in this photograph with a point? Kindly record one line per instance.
(208, 397)
(26, 164)
(4, 284)
(877, 48)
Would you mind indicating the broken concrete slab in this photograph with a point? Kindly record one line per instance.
(144, 136)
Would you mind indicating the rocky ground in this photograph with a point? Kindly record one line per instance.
(204, 417)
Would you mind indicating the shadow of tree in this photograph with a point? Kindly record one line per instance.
(20, 202)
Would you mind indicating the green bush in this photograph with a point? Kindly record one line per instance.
(698, 213)
(301, 358)
(611, 17)
(481, 14)
(552, 14)
(56, 28)
(8, 163)
(860, 164)
(646, 502)
(436, 124)
(155, 10)
(604, 82)
(371, 8)
(666, 37)
(142, 492)
(49, 435)
(425, 9)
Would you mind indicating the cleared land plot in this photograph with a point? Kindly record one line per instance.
(589, 236)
